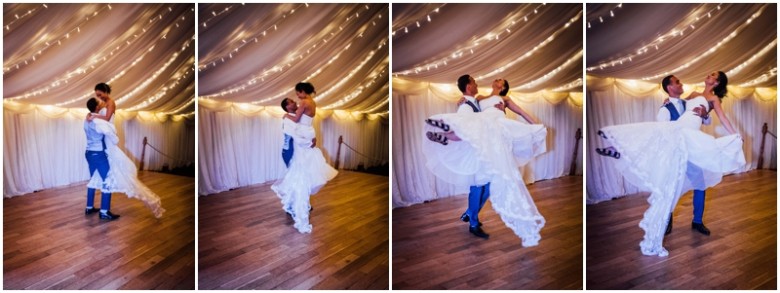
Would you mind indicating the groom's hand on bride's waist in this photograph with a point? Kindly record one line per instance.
(701, 112)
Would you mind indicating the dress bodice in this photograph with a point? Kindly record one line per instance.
(489, 104)
(305, 120)
(103, 112)
(689, 118)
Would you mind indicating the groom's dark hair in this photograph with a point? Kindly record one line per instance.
(92, 105)
(463, 81)
(665, 82)
(285, 102)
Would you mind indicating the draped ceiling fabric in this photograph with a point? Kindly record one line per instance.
(624, 72)
(250, 58)
(536, 47)
(54, 54)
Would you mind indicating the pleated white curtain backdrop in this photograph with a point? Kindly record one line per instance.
(241, 144)
(413, 102)
(44, 146)
(614, 101)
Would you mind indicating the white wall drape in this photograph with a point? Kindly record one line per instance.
(413, 102)
(240, 144)
(43, 146)
(54, 54)
(615, 101)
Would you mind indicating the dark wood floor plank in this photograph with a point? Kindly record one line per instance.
(432, 248)
(246, 241)
(741, 252)
(48, 242)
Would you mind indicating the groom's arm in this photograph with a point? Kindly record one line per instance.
(291, 128)
(106, 129)
(663, 115)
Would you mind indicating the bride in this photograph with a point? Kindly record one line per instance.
(122, 174)
(654, 156)
(308, 171)
(494, 148)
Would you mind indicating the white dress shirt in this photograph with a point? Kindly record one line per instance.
(465, 108)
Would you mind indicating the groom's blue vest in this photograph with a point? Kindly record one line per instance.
(673, 114)
(473, 107)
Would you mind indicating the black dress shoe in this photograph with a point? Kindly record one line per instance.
(701, 228)
(108, 216)
(669, 227)
(91, 211)
(465, 217)
(477, 231)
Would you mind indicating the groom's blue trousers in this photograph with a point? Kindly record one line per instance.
(288, 154)
(98, 161)
(478, 195)
(698, 206)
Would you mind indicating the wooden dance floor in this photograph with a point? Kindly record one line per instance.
(741, 252)
(48, 242)
(246, 240)
(432, 248)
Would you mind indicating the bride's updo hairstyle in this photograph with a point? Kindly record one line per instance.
(505, 90)
(720, 89)
(305, 87)
(103, 87)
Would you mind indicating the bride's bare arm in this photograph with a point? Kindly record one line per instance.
(722, 116)
(515, 108)
(298, 113)
(692, 95)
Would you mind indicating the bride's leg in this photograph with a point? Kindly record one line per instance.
(450, 135)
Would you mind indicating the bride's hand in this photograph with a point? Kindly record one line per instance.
(90, 117)
(461, 101)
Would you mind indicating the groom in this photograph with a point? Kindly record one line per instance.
(478, 195)
(288, 127)
(671, 111)
(97, 161)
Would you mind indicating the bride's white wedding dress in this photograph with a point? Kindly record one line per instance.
(307, 173)
(491, 151)
(122, 173)
(655, 156)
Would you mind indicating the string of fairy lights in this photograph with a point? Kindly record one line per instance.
(761, 79)
(123, 42)
(505, 28)
(176, 78)
(296, 56)
(549, 75)
(678, 31)
(568, 86)
(372, 77)
(279, 67)
(771, 47)
(416, 22)
(100, 57)
(535, 49)
(601, 17)
(246, 38)
(47, 43)
(29, 12)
